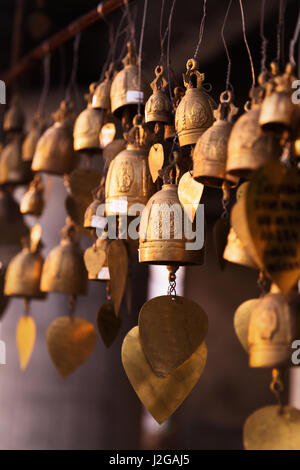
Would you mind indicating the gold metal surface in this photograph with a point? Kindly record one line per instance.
(25, 337)
(101, 96)
(117, 260)
(108, 324)
(235, 251)
(158, 107)
(14, 117)
(94, 260)
(156, 159)
(241, 321)
(161, 396)
(30, 142)
(189, 194)
(32, 201)
(13, 170)
(107, 134)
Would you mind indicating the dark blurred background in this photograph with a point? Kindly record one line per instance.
(96, 408)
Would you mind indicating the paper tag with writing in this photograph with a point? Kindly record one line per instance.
(133, 96)
(103, 274)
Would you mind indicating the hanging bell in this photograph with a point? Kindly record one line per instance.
(29, 144)
(249, 147)
(235, 251)
(14, 117)
(270, 332)
(13, 170)
(210, 153)
(158, 107)
(32, 202)
(64, 270)
(22, 277)
(54, 152)
(194, 113)
(278, 112)
(128, 179)
(101, 96)
(125, 91)
(162, 236)
(87, 126)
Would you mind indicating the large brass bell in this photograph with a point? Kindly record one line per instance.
(13, 170)
(101, 96)
(31, 140)
(270, 332)
(64, 270)
(128, 179)
(54, 152)
(22, 277)
(162, 236)
(14, 117)
(235, 251)
(194, 113)
(278, 112)
(32, 202)
(125, 92)
(158, 107)
(87, 126)
(210, 153)
(249, 147)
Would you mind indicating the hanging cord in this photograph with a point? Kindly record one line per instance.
(228, 84)
(246, 43)
(45, 90)
(72, 82)
(111, 45)
(201, 30)
(131, 28)
(276, 387)
(280, 30)
(168, 47)
(264, 41)
(140, 52)
(62, 59)
(161, 36)
(172, 281)
(294, 41)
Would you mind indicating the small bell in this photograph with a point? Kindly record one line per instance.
(235, 252)
(22, 277)
(91, 219)
(54, 152)
(210, 153)
(13, 170)
(64, 269)
(14, 117)
(29, 144)
(278, 112)
(249, 147)
(101, 96)
(128, 179)
(125, 92)
(32, 202)
(270, 332)
(194, 113)
(158, 107)
(87, 126)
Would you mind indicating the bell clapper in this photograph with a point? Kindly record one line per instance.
(172, 281)
(276, 387)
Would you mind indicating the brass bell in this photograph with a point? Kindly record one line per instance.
(87, 126)
(125, 92)
(278, 112)
(271, 331)
(32, 202)
(29, 144)
(14, 117)
(249, 147)
(162, 237)
(235, 251)
(158, 107)
(13, 170)
(54, 152)
(22, 277)
(101, 96)
(64, 270)
(210, 153)
(194, 113)
(128, 179)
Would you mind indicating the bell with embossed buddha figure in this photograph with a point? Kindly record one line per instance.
(87, 126)
(13, 170)
(29, 144)
(14, 117)
(158, 107)
(194, 113)
(64, 270)
(54, 152)
(210, 153)
(128, 180)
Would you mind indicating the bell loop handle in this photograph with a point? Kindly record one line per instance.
(277, 387)
(193, 78)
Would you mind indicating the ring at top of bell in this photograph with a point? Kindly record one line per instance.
(101, 96)
(125, 90)
(39, 126)
(194, 113)
(158, 107)
(13, 170)
(210, 153)
(87, 126)
(14, 117)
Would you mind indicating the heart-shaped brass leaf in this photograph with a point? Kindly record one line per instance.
(189, 194)
(25, 336)
(117, 260)
(156, 160)
(108, 324)
(70, 342)
(171, 329)
(94, 259)
(161, 396)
